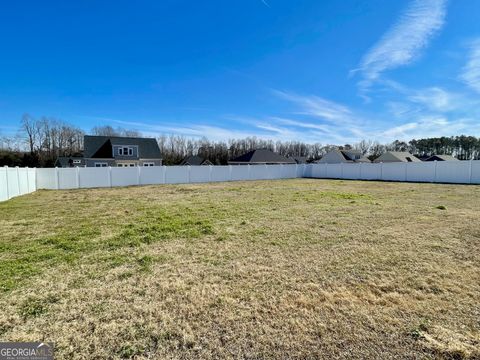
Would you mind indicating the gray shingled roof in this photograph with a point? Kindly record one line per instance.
(441, 158)
(195, 160)
(100, 146)
(262, 156)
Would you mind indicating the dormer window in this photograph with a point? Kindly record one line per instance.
(125, 151)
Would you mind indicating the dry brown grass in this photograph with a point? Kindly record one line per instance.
(260, 270)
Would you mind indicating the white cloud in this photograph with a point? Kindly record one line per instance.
(403, 42)
(435, 98)
(471, 71)
(430, 126)
(318, 107)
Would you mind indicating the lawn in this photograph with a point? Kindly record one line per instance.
(259, 270)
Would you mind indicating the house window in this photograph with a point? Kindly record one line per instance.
(102, 164)
(408, 159)
(77, 161)
(125, 151)
(148, 164)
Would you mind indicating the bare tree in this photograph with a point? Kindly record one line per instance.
(30, 126)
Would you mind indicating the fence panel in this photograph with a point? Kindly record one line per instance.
(13, 183)
(258, 172)
(221, 173)
(351, 171)
(475, 174)
(176, 175)
(421, 172)
(94, 177)
(334, 171)
(318, 170)
(291, 171)
(32, 179)
(200, 174)
(125, 176)
(274, 172)
(241, 172)
(67, 178)
(151, 175)
(23, 181)
(393, 171)
(46, 178)
(453, 171)
(3, 184)
(370, 171)
(16, 181)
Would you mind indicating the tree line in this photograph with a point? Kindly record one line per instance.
(39, 142)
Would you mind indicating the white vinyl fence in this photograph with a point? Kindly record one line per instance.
(16, 181)
(76, 178)
(457, 172)
(19, 181)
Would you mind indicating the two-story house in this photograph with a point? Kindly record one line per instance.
(103, 151)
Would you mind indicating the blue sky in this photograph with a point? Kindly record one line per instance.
(316, 71)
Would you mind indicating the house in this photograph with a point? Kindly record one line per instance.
(70, 161)
(195, 160)
(261, 156)
(343, 156)
(103, 151)
(396, 156)
(441, 158)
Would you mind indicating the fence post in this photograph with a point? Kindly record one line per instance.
(406, 171)
(110, 176)
(435, 172)
(341, 170)
(6, 182)
(77, 176)
(28, 180)
(18, 180)
(361, 172)
(230, 172)
(139, 174)
(210, 173)
(164, 175)
(189, 169)
(470, 172)
(249, 172)
(57, 182)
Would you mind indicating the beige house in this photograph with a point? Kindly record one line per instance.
(396, 156)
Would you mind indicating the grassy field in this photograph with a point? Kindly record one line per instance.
(258, 270)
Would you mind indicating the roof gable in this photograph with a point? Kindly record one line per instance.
(195, 160)
(261, 156)
(101, 146)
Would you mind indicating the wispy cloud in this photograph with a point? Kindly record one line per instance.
(317, 107)
(265, 3)
(430, 126)
(471, 72)
(435, 98)
(404, 41)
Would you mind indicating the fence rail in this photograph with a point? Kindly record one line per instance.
(19, 181)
